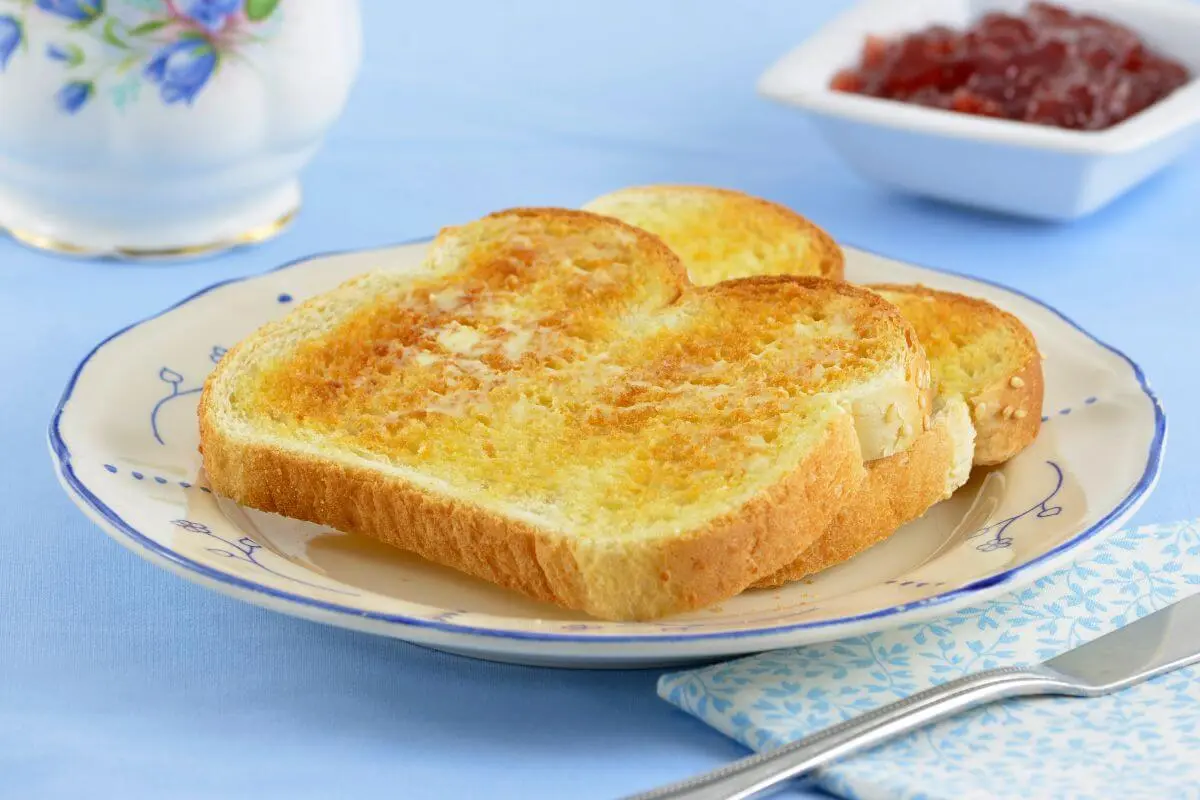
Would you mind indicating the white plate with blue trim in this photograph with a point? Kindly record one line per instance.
(124, 439)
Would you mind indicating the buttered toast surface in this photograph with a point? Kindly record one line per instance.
(976, 351)
(551, 405)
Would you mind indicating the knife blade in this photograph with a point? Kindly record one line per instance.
(1154, 645)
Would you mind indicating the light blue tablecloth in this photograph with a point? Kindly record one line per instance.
(119, 680)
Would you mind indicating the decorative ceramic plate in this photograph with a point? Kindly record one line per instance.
(125, 437)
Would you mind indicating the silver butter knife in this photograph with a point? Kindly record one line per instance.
(1156, 644)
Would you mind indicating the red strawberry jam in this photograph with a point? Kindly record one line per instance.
(1048, 66)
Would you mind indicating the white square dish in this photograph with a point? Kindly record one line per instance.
(1017, 168)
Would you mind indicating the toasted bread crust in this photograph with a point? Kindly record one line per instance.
(584, 220)
(827, 261)
(666, 576)
(1007, 413)
(896, 490)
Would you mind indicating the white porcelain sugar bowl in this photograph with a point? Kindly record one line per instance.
(165, 127)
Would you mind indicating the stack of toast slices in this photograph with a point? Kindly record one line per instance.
(635, 409)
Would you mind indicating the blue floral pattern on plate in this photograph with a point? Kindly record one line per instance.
(10, 37)
(176, 45)
(996, 535)
(176, 382)
(246, 550)
(1137, 743)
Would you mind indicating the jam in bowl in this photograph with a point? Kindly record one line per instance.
(1048, 66)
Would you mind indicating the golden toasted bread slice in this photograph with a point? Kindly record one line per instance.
(723, 234)
(988, 406)
(979, 354)
(550, 405)
(983, 354)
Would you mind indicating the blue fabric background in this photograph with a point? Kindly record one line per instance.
(119, 680)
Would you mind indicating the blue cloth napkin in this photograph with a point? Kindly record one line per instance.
(1142, 742)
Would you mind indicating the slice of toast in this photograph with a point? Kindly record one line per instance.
(988, 407)
(986, 356)
(723, 234)
(959, 334)
(550, 405)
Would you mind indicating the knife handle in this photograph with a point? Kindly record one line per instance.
(755, 774)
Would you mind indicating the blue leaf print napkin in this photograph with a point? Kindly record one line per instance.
(1143, 742)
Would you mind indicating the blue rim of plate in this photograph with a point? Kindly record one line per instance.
(62, 457)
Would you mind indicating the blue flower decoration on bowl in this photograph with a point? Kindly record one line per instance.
(177, 46)
(10, 38)
(71, 97)
(182, 68)
(74, 10)
(212, 14)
